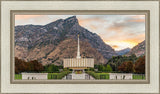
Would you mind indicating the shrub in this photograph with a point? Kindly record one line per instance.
(96, 76)
(58, 75)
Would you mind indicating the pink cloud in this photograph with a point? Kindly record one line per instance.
(138, 16)
(89, 20)
(20, 17)
(137, 20)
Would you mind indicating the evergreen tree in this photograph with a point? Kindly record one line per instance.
(109, 68)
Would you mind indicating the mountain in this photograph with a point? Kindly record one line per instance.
(138, 50)
(45, 43)
(123, 51)
(68, 49)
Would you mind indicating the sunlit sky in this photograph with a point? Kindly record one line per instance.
(119, 31)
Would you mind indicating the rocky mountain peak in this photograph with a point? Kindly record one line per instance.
(55, 22)
(71, 20)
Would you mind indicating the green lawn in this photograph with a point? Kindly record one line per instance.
(18, 77)
(103, 75)
(98, 75)
(138, 77)
(58, 75)
(52, 75)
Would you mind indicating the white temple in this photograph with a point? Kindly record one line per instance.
(78, 63)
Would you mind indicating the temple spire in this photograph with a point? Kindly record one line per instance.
(78, 49)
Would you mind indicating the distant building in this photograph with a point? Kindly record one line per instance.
(78, 64)
(34, 76)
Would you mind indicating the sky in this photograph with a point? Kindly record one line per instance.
(118, 31)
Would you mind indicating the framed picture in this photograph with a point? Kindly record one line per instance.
(80, 46)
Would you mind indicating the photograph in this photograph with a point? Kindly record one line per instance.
(79, 47)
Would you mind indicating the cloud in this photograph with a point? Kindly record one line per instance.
(22, 17)
(119, 45)
(116, 27)
(94, 27)
(128, 28)
(137, 20)
(138, 16)
(84, 21)
(115, 46)
(93, 23)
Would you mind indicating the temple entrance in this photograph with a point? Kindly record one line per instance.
(78, 71)
(78, 74)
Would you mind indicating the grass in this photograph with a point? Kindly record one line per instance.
(103, 75)
(58, 75)
(52, 75)
(18, 77)
(98, 75)
(138, 77)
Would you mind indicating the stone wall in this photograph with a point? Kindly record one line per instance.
(120, 76)
(34, 76)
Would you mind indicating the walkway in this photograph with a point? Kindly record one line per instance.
(82, 76)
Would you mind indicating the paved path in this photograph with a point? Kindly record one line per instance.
(82, 76)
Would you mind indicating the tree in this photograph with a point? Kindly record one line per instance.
(37, 67)
(126, 67)
(31, 66)
(20, 65)
(140, 65)
(95, 66)
(100, 67)
(53, 68)
(103, 68)
(91, 69)
(116, 61)
(113, 66)
(109, 68)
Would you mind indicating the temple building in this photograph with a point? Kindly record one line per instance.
(78, 64)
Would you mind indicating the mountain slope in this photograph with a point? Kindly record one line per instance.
(68, 49)
(123, 51)
(38, 42)
(138, 50)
